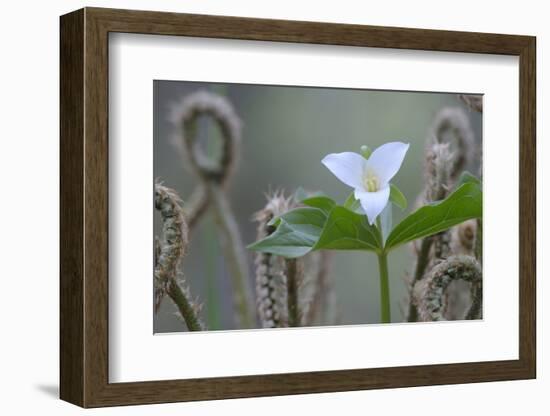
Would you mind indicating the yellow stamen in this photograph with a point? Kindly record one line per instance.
(371, 182)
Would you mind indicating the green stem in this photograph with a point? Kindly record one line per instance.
(236, 256)
(185, 307)
(385, 312)
(292, 271)
(211, 248)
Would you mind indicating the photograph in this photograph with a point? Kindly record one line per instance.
(295, 206)
(267, 205)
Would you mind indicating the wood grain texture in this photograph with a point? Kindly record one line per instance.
(527, 208)
(71, 217)
(84, 207)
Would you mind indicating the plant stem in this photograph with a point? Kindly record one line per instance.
(212, 250)
(320, 295)
(185, 307)
(478, 248)
(236, 256)
(385, 310)
(423, 258)
(292, 271)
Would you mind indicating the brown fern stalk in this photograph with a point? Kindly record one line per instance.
(438, 182)
(430, 294)
(449, 150)
(452, 126)
(321, 290)
(473, 102)
(215, 175)
(437, 177)
(169, 252)
(196, 206)
(478, 247)
(271, 282)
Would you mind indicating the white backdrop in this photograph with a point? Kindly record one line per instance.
(29, 214)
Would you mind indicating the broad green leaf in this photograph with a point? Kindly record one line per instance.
(305, 229)
(353, 204)
(324, 203)
(397, 197)
(461, 205)
(306, 223)
(467, 177)
(286, 241)
(346, 230)
(297, 232)
(306, 220)
(350, 200)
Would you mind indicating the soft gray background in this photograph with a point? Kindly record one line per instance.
(286, 133)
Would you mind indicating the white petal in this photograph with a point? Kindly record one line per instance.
(373, 202)
(386, 160)
(346, 166)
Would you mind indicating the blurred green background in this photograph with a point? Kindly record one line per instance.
(286, 133)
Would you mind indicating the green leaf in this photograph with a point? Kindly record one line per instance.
(350, 200)
(397, 197)
(461, 205)
(307, 220)
(305, 229)
(297, 232)
(467, 177)
(346, 230)
(324, 203)
(352, 204)
(285, 241)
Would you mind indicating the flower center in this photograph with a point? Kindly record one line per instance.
(371, 182)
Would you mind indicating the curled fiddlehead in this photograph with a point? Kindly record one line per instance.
(169, 252)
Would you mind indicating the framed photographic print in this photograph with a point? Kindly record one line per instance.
(255, 207)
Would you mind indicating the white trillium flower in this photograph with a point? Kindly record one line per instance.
(370, 177)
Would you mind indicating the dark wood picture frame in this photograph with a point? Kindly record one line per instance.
(84, 207)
